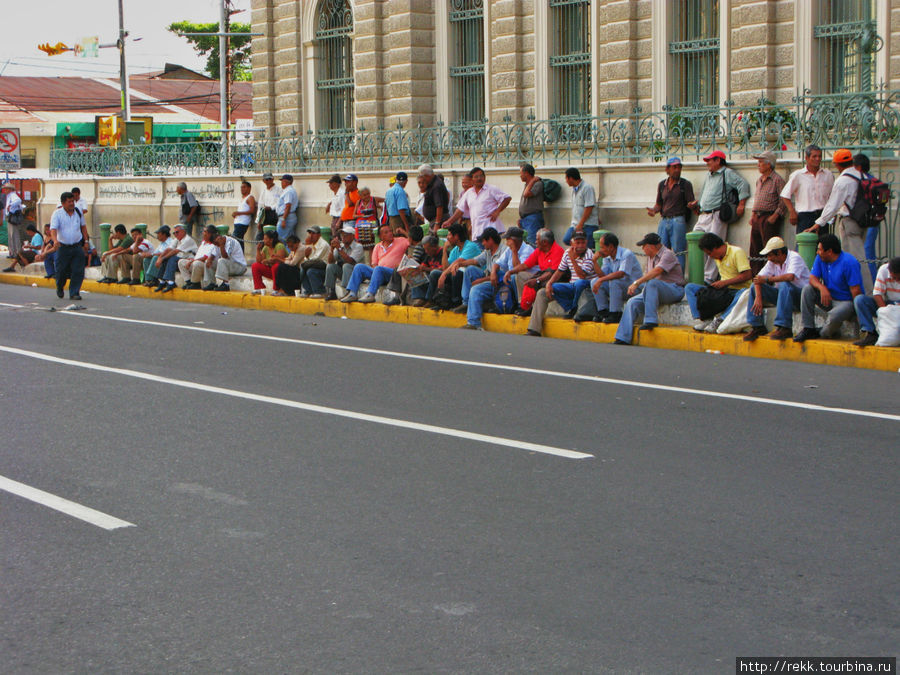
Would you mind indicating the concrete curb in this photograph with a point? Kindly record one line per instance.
(824, 352)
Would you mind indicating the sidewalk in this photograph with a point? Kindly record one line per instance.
(825, 352)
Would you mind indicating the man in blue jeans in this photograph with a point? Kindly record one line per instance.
(672, 197)
(788, 270)
(663, 284)
(887, 292)
(481, 278)
(531, 204)
(584, 208)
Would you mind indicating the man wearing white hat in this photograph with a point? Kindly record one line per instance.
(780, 283)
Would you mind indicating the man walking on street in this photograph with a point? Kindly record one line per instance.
(71, 244)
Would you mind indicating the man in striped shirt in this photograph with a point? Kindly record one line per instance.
(578, 260)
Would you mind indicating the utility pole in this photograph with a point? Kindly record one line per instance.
(223, 55)
(123, 69)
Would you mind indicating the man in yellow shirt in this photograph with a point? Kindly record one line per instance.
(734, 276)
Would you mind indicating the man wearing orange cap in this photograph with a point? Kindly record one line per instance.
(720, 179)
(842, 199)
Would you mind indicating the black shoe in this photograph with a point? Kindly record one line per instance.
(532, 333)
(123, 281)
(460, 309)
(613, 317)
(75, 297)
(159, 288)
(617, 341)
(209, 287)
(571, 313)
(222, 287)
(755, 332)
(10, 269)
(331, 296)
(867, 339)
(580, 318)
(134, 282)
(168, 288)
(806, 334)
(523, 312)
(648, 326)
(59, 293)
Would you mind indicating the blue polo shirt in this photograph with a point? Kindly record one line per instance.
(625, 261)
(395, 200)
(839, 275)
(469, 250)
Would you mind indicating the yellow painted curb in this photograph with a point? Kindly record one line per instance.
(823, 352)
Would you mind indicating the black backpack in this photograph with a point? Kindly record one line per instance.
(872, 197)
(552, 190)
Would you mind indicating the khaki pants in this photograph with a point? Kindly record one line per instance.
(196, 271)
(112, 264)
(227, 268)
(853, 242)
(710, 222)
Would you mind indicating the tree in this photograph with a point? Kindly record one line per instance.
(209, 46)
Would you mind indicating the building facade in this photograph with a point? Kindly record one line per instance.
(341, 65)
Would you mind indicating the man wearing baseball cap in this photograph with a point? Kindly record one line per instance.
(780, 282)
(336, 205)
(673, 194)
(842, 199)
(268, 205)
(287, 208)
(397, 204)
(351, 198)
(721, 180)
(768, 209)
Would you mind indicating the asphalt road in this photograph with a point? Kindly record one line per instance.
(273, 536)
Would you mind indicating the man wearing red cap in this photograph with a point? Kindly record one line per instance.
(721, 178)
(842, 199)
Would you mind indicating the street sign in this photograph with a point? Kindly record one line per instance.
(88, 47)
(10, 150)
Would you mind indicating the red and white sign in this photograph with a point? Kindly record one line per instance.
(10, 150)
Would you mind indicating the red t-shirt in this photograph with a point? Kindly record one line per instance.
(546, 261)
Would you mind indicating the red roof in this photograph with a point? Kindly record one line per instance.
(79, 94)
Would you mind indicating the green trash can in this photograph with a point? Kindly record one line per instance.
(269, 228)
(104, 236)
(326, 233)
(807, 242)
(442, 235)
(223, 229)
(597, 235)
(142, 227)
(695, 258)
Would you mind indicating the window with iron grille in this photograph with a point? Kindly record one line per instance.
(694, 53)
(846, 38)
(334, 65)
(570, 58)
(466, 61)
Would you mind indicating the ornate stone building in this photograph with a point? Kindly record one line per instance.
(345, 64)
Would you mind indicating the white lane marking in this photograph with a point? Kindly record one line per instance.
(260, 398)
(495, 366)
(49, 500)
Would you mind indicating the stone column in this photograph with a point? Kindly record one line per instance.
(762, 51)
(410, 78)
(625, 66)
(511, 30)
(263, 65)
(287, 46)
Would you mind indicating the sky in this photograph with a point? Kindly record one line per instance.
(53, 21)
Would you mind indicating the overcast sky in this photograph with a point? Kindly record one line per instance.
(39, 21)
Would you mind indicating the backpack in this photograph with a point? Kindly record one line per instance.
(505, 299)
(872, 197)
(552, 190)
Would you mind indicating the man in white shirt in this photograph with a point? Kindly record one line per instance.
(71, 244)
(345, 252)
(336, 205)
(886, 292)
(482, 204)
(80, 203)
(313, 263)
(183, 247)
(201, 266)
(268, 205)
(139, 252)
(788, 270)
(287, 208)
(807, 190)
(231, 262)
(842, 199)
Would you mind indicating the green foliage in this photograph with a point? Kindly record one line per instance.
(209, 46)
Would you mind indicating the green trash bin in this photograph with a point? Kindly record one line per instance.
(695, 259)
(104, 236)
(326, 233)
(269, 228)
(142, 227)
(597, 235)
(807, 242)
(223, 229)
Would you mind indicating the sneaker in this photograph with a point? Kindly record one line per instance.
(867, 339)
(460, 309)
(532, 333)
(255, 291)
(367, 298)
(701, 324)
(350, 297)
(102, 280)
(469, 326)
(600, 315)
(316, 296)
(648, 326)
(755, 332)
(806, 334)
(303, 294)
(780, 333)
(613, 317)
(714, 324)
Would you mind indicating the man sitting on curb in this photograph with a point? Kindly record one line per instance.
(516, 251)
(428, 255)
(663, 284)
(182, 247)
(546, 257)
(315, 252)
(886, 292)
(578, 260)
(734, 276)
(116, 258)
(230, 263)
(787, 269)
(617, 270)
(153, 263)
(386, 255)
(458, 249)
(481, 278)
(201, 267)
(345, 252)
(139, 254)
(834, 281)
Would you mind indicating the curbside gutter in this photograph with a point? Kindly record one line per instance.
(823, 352)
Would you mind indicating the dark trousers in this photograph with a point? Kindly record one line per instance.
(806, 219)
(70, 259)
(761, 230)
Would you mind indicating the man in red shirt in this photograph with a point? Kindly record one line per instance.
(386, 255)
(547, 257)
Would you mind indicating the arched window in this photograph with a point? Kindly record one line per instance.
(466, 61)
(570, 58)
(334, 67)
